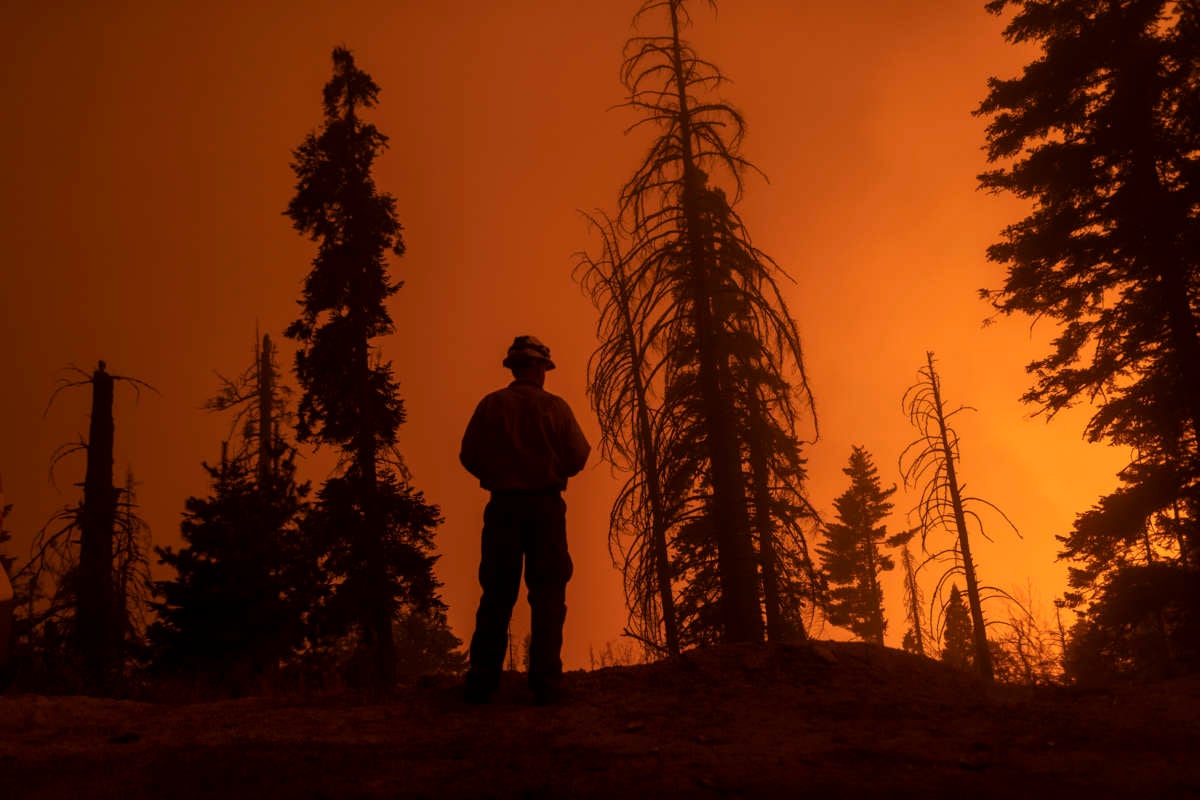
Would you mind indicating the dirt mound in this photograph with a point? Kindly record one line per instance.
(824, 719)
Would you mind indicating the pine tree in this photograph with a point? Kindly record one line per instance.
(1100, 132)
(425, 645)
(675, 162)
(1143, 624)
(375, 532)
(769, 402)
(232, 610)
(851, 556)
(245, 581)
(693, 289)
(958, 647)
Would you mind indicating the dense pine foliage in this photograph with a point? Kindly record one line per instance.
(1099, 132)
(373, 531)
(851, 555)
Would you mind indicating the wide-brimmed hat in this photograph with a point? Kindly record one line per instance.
(525, 348)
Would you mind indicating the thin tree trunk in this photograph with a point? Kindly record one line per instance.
(266, 414)
(653, 477)
(741, 615)
(1180, 539)
(1185, 349)
(983, 655)
(777, 627)
(129, 563)
(94, 598)
(874, 591)
(914, 607)
(377, 610)
(1062, 636)
(658, 532)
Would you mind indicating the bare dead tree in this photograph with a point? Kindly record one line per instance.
(929, 464)
(258, 403)
(48, 587)
(96, 628)
(132, 588)
(87, 579)
(1028, 649)
(620, 374)
(914, 598)
(44, 585)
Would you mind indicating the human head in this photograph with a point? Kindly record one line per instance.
(529, 359)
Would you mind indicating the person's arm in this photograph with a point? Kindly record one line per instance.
(472, 453)
(575, 444)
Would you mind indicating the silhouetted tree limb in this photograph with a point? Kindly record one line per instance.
(1100, 133)
(929, 464)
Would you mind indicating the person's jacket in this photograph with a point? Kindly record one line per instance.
(523, 438)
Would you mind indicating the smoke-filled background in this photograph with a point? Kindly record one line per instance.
(148, 149)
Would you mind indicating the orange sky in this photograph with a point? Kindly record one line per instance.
(147, 168)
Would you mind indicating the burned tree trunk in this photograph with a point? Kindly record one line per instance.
(96, 631)
(764, 523)
(912, 598)
(735, 550)
(942, 505)
(983, 655)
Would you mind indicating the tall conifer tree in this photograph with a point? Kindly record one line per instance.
(245, 581)
(850, 554)
(717, 355)
(958, 647)
(1101, 133)
(374, 530)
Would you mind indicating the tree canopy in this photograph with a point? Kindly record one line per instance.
(1099, 132)
(373, 530)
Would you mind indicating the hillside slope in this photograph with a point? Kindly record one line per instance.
(826, 720)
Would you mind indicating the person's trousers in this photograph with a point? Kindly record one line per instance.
(529, 529)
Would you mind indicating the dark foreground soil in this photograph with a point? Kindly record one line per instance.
(828, 720)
